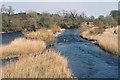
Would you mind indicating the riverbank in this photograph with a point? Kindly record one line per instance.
(107, 39)
(34, 58)
(2, 32)
(70, 56)
(85, 59)
(9, 32)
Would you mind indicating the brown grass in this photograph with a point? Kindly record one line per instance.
(109, 43)
(54, 28)
(108, 40)
(41, 34)
(44, 34)
(22, 46)
(47, 65)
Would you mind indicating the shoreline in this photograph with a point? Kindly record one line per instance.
(95, 42)
(9, 32)
(2, 32)
(100, 43)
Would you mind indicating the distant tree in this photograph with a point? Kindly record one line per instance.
(45, 19)
(6, 17)
(116, 15)
(31, 20)
(15, 23)
(119, 5)
(92, 18)
(3, 9)
(101, 17)
(83, 15)
(105, 22)
(22, 18)
(10, 11)
(110, 21)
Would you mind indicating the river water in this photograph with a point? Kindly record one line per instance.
(8, 37)
(85, 59)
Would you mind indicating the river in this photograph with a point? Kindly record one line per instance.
(85, 59)
(8, 37)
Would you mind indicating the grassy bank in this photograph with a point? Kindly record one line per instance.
(106, 39)
(32, 43)
(48, 35)
(22, 46)
(47, 65)
(35, 59)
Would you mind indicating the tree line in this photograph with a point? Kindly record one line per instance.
(31, 20)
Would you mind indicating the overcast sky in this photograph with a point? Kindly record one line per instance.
(60, 0)
(90, 8)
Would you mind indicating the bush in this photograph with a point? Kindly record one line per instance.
(96, 30)
(105, 22)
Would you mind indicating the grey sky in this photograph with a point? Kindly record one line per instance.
(90, 8)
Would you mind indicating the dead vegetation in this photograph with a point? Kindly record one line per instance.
(41, 34)
(22, 47)
(35, 61)
(55, 29)
(44, 34)
(50, 64)
(108, 39)
(34, 42)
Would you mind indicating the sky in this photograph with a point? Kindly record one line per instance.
(90, 8)
(60, 0)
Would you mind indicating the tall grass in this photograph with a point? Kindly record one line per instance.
(47, 65)
(41, 34)
(109, 44)
(44, 64)
(44, 34)
(55, 28)
(21, 47)
(108, 40)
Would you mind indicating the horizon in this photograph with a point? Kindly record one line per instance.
(89, 8)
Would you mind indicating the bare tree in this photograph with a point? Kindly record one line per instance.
(10, 11)
(3, 9)
(83, 15)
